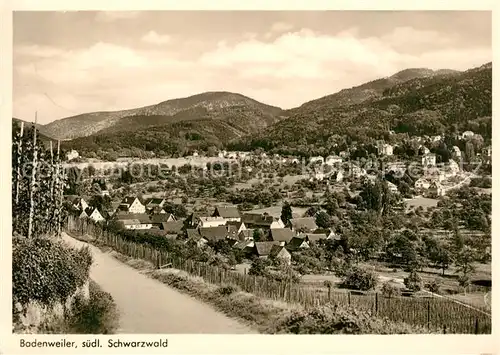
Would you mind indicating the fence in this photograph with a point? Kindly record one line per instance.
(435, 313)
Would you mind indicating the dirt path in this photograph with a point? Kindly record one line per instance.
(150, 307)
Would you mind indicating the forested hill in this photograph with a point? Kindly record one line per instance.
(222, 105)
(424, 105)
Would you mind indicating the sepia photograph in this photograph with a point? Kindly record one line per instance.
(251, 172)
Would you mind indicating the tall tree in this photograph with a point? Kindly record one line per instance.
(286, 213)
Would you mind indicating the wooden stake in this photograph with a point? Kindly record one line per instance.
(19, 160)
(59, 219)
(33, 182)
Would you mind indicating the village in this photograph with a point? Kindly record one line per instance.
(252, 229)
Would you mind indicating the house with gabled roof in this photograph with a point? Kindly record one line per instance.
(214, 234)
(261, 221)
(228, 212)
(316, 237)
(422, 184)
(154, 204)
(158, 219)
(436, 190)
(234, 228)
(143, 219)
(133, 224)
(467, 134)
(456, 153)
(207, 222)
(281, 235)
(263, 249)
(77, 202)
(392, 187)
(194, 237)
(280, 252)
(174, 227)
(303, 224)
(297, 243)
(95, 215)
(429, 159)
(246, 234)
(132, 204)
(193, 220)
(246, 246)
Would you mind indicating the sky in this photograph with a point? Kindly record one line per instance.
(68, 63)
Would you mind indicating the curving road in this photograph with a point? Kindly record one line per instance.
(148, 306)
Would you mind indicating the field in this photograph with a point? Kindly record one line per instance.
(275, 211)
(420, 201)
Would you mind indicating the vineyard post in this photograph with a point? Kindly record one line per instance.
(52, 166)
(476, 326)
(349, 298)
(19, 154)
(33, 182)
(444, 329)
(61, 191)
(376, 302)
(428, 314)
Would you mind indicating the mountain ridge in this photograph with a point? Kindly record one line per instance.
(94, 122)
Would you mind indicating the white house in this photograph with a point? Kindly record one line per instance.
(277, 223)
(385, 149)
(392, 187)
(452, 168)
(211, 222)
(436, 189)
(424, 149)
(467, 134)
(422, 184)
(222, 154)
(357, 172)
(134, 224)
(132, 205)
(429, 160)
(317, 159)
(96, 216)
(317, 175)
(73, 154)
(228, 212)
(456, 153)
(436, 138)
(333, 159)
(195, 154)
(337, 175)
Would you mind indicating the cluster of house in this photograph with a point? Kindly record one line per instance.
(239, 229)
(226, 224)
(81, 206)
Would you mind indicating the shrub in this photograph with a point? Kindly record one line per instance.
(97, 315)
(389, 289)
(46, 270)
(434, 286)
(360, 279)
(338, 320)
(413, 282)
(227, 290)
